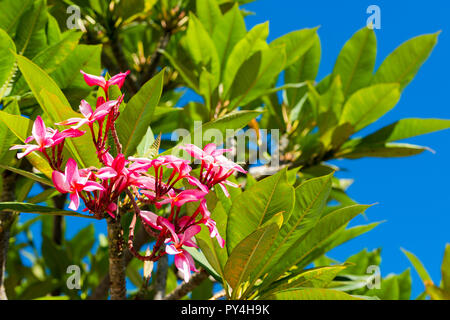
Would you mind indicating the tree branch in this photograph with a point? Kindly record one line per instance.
(186, 287)
(161, 278)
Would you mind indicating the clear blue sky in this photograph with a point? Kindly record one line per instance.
(413, 193)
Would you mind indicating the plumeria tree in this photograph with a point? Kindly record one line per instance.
(86, 117)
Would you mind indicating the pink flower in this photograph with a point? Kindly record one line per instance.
(183, 260)
(44, 137)
(92, 80)
(74, 181)
(90, 116)
(181, 198)
(209, 152)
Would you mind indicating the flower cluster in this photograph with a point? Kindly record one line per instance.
(156, 188)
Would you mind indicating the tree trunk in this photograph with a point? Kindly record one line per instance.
(6, 219)
(116, 259)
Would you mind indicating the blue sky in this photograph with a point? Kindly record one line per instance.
(412, 193)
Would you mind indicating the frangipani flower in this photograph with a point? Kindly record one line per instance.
(44, 137)
(92, 80)
(177, 200)
(90, 116)
(74, 181)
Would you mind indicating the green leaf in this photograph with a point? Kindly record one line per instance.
(445, 269)
(134, 121)
(257, 205)
(318, 277)
(201, 47)
(34, 208)
(356, 61)
(7, 136)
(404, 62)
(55, 257)
(271, 64)
(296, 43)
(305, 68)
(209, 14)
(418, 266)
(148, 147)
(229, 31)
(313, 240)
(383, 150)
(28, 175)
(81, 244)
(406, 128)
(247, 255)
(253, 41)
(311, 294)
(367, 105)
(10, 13)
(31, 36)
(7, 60)
(310, 200)
(200, 258)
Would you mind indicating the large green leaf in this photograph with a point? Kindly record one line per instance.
(253, 41)
(356, 61)
(305, 68)
(382, 150)
(403, 63)
(57, 108)
(310, 199)
(10, 13)
(31, 36)
(34, 208)
(209, 14)
(313, 240)
(229, 31)
(406, 128)
(296, 43)
(135, 119)
(7, 60)
(312, 294)
(246, 256)
(28, 175)
(367, 105)
(418, 266)
(257, 205)
(8, 138)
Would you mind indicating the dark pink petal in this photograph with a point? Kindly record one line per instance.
(93, 186)
(151, 219)
(86, 109)
(92, 80)
(59, 180)
(39, 130)
(106, 173)
(74, 201)
(118, 79)
(71, 171)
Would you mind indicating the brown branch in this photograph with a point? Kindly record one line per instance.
(151, 68)
(116, 259)
(101, 291)
(186, 287)
(6, 219)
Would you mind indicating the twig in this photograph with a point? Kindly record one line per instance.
(156, 56)
(116, 259)
(186, 287)
(218, 295)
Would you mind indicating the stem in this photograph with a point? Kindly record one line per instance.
(116, 259)
(186, 287)
(6, 219)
